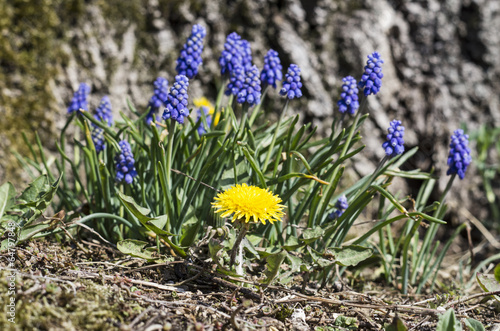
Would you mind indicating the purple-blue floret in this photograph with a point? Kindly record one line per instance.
(341, 206)
(394, 144)
(158, 99)
(459, 157)
(250, 91)
(236, 80)
(177, 100)
(79, 100)
(232, 55)
(103, 111)
(273, 70)
(190, 57)
(371, 80)
(98, 139)
(124, 161)
(291, 83)
(349, 96)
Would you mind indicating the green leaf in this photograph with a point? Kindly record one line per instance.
(189, 231)
(349, 323)
(29, 231)
(351, 255)
(396, 325)
(496, 272)
(136, 248)
(35, 190)
(474, 325)
(155, 224)
(311, 235)
(448, 322)
(273, 265)
(488, 283)
(7, 197)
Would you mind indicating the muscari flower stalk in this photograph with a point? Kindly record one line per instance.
(103, 111)
(250, 90)
(190, 57)
(394, 145)
(272, 71)
(459, 156)
(79, 100)
(371, 80)
(236, 80)
(232, 55)
(349, 97)
(124, 161)
(177, 100)
(247, 204)
(103, 114)
(158, 99)
(246, 54)
(292, 84)
(341, 206)
(98, 139)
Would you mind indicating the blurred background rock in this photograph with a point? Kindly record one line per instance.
(442, 66)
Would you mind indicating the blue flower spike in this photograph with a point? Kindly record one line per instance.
(236, 80)
(273, 70)
(394, 145)
(98, 139)
(341, 206)
(349, 96)
(371, 80)
(232, 55)
(103, 111)
(103, 114)
(292, 84)
(177, 100)
(246, 54)
(124, 161)
(79, 100)
(158, 99)
(250, 91)
(459, 156)
(190, 57)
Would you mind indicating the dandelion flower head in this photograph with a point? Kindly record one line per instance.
(249, 203)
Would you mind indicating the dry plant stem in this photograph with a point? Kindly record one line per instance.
(235, 249)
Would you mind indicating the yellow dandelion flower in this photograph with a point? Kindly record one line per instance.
(250, 203)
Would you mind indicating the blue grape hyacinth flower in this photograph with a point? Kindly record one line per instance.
(459, 156)
(246, 54)
(177, 100)
(273, 70)
(124, 161)
(79, 100)
(349, 96)
(190, 57)
(250, 91)
(371, 80)
(394, 145)
(341, 206)
(232, 54)
(158, 99)
(98, 139)
(292, 84)
(103, 111)
(236, 80)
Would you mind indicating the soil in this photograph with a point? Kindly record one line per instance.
(59, 287)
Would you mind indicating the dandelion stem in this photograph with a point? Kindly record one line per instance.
(237, 243)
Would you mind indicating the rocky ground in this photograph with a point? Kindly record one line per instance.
(59, 287)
